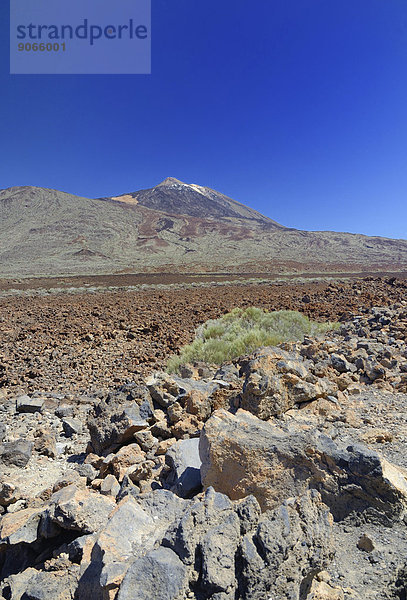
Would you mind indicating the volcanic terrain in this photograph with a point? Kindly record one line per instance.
(173, 227)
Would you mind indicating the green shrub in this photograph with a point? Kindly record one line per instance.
(242, 331)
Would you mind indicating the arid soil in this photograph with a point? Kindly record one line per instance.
(81, 343)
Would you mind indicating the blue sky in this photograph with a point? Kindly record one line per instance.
(297, 108)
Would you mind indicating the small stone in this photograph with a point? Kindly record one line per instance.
(146, 440)
(45, 443)
(16, 453)
(71, 426)
(25, 404)
(141, 471)
(66, 410)
(110, 486)
(86, 470)
(8, 493)
(365, 543)
(165, 445)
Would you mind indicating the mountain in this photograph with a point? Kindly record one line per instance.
(173, 227)
(178, 198)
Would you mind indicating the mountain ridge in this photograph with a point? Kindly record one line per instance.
(172, 227)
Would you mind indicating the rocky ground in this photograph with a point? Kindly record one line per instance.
(80, 343)
(282, 475)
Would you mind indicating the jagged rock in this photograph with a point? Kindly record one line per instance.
(159, 575)
(86, 470)
(340, 364)
(3, 430)
(164, 389)
(44, 585)
(184, 463)
(175, 413)
(141, 471)
(365, 543)
(119, 463)
(241, 454)
(146, 440)
(197, 403)
(290, 545)
(19, 527)
(231, 550)
(275, 382)
(133, 529)
(64, 411)
(25, 404)
(167, 389)
(9, 493)
(128, 534)
(79, 510)
(110, 486)
(71, 426)
(45, 442)
(160, 429)
(109, 429)
(16, 453)
(190, 426)
(374, 370)
(320, 590)
(70, 477)
(15, 585)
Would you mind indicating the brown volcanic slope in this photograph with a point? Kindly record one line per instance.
(174, 227)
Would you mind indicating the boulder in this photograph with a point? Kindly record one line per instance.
(275, 381)
(71, 426)
(128, 534)
(110, 428)
(43, 585)
(79, 509)
(321, 590)
(25, 404)
(184, 463)
(243, 455)
(110, 486)
(119, 463)
(16, 453)
(45, 442)
(232, 551)
(290, 545)
(19, 527)
(9, 493)
(340, 364)
(159, 575)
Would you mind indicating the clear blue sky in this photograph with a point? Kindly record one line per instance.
(297, 108)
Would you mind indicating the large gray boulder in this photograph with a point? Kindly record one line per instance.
(44, 585)
(243, 455)
(17, 453)
(78, 510)
(232, 551)
(159, 575)
(184, 462)
(128, 533)
(111, 427)
(134, 527)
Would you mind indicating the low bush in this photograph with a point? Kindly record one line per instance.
(244, 330)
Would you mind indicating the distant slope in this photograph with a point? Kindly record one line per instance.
(173, 227)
